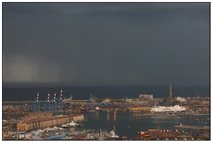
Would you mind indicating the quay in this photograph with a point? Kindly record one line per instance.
(85, 101)
(30, 102)
(206, 128)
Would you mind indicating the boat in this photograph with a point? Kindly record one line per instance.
(64, 126)
(90, 137)
(175, 108)
(101, 136)
(73, 124)
(40, 131)
(113, 134)
(36, 135)
(55, 128)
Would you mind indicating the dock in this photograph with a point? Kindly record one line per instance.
(206, 128)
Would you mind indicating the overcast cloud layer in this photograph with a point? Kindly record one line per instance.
(106, 43)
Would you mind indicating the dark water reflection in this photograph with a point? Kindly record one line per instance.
(127, 125)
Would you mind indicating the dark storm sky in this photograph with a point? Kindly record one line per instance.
(106, 43)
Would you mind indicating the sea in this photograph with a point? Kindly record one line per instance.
(99, 92)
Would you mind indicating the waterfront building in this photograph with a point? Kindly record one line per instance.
(44, 120)
(181, 99)
(146, 96)
(107, 100)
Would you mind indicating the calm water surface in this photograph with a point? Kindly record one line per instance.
(127, 125)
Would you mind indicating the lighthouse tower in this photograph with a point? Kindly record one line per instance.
(170, 91)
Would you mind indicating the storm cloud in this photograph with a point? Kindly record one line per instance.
(106, 43)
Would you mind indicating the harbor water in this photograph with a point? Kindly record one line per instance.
(128, 125)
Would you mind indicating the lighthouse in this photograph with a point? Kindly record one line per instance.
(170, 91)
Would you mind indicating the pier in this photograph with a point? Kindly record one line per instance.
(206, 128)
